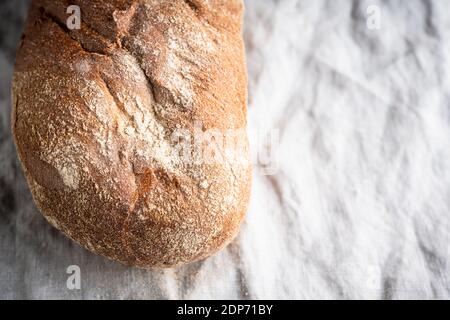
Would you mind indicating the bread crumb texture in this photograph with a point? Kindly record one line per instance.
(94, 110)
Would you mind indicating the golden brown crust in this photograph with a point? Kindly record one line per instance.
(93, 112)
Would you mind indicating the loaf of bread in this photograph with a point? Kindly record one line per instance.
(102, 116)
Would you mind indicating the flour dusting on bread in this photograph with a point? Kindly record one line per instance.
(96, 115)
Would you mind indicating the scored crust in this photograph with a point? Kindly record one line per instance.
(93, 113)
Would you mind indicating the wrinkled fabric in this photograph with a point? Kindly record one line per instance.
(351, 201)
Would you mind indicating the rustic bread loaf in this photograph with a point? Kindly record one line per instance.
(95, 111)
